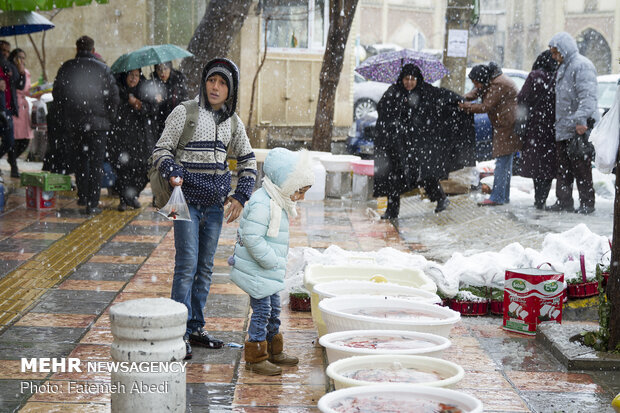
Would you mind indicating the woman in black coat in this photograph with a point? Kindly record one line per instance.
(132, 140)
(170, 89)
(537, 97)
(415, 139)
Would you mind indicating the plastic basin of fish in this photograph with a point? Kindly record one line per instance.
(348, 287)
(319, 273)
(350, 343)
(367, 312)
(413, 370)
(388, 398)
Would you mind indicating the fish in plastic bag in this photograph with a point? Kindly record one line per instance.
(176, 209)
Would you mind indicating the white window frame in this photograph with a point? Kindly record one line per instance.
(313, 45)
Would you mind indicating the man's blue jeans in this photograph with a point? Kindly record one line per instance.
(501, 179)
(265, 321)
(195, 242)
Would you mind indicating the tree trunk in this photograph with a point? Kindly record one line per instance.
(613, 284)
(213, 37)
(340, 19)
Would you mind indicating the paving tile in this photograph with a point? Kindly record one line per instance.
(104, 271)
(278, 395)
(53, 236)
(97, 336)
(218, 304)
(126, 249)
(567, 402)
(11, 393)
(208, 394)
(112, 259)
(56, 320)
(40, 335)
(91, 285)
(483, 380)
(15, 351)
(53, 226)
(499, 400)
(553, 381)
(16, 256)
(74, 302)
(11, 370)
(224, 324)
(210, 373)
(149, 239)
(520, 354)
(305, 373)
(45, 407)
(24, 245)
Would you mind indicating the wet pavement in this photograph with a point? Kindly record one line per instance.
(60, 271)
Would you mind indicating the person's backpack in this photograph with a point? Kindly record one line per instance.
(159, 185)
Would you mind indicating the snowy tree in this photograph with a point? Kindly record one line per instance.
(341, 15)
(213, 37)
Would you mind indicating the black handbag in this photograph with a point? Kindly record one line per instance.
(578, 147)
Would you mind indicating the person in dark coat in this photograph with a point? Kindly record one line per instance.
(132, 140)
(414, 139)
(87, 97)
(537, 97)
(168, 89)
(12, 78)
(499, 100)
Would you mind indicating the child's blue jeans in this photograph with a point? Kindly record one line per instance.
(265, 321)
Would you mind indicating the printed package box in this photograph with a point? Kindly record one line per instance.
(532, 296)
(37, 198)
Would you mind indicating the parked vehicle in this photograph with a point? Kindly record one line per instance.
(606, 91)
(361, 134)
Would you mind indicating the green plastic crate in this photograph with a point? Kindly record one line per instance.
(46, 180)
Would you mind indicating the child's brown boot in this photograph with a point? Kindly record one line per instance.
(276, 354)
(256, 359)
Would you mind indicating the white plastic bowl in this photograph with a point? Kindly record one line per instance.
(450, 373)
(339, 314)
(338, 163)
(319, 273)
(348, 287)
(401, 395)
(420, 344)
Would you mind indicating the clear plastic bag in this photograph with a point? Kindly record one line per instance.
(176, 209)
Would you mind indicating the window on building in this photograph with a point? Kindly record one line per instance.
(293, 24)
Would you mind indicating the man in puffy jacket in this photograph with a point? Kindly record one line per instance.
(86, 95)
(575, 111)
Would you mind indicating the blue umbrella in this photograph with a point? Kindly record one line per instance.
(13, 23)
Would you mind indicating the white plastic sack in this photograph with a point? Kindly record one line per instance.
(176, 209)
(605, 136)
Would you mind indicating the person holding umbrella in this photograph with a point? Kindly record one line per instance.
(12, 79)
(415, 135)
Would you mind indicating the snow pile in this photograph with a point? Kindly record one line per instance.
(484, 269)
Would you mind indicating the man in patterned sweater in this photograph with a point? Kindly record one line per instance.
(206, 183)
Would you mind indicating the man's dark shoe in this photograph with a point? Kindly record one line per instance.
(135, 203)
(201, 338)
(442, 204)
(92, 210)
(122, 206)
(585, 210)
(559, 208)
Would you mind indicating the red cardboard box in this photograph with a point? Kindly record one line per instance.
(531, 296)
(37, 198)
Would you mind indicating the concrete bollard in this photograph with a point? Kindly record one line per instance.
(148, 338)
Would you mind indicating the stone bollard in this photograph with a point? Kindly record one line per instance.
(148, 342)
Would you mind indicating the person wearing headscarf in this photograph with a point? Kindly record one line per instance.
(203, 175)
(168, 89)
(498, 94)
(416, 136)
(131, 142)
(537, 100)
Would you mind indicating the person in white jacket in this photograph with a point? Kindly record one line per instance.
(259, 261)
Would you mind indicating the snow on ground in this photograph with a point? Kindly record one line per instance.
(560, 250)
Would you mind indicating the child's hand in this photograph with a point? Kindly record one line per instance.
(234, 209)
(175, 181)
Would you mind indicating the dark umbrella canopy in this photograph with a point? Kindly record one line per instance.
(33, 5)
(13, 23)
(148, 56)
(385, 67)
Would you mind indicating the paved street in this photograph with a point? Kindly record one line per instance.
(60, 272)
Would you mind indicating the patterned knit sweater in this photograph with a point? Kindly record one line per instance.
(203, 166)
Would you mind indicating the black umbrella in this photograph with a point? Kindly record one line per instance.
(13, 23)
